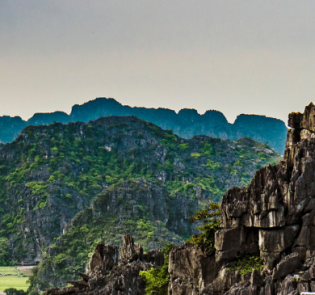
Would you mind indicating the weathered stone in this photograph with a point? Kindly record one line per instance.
(226, 238)
(191, 269)
(154, 257)
(303, 121)
(287, 265)
(256, 278)
(287, 286)
(104, 257)
(309, 274)
(277, 240)
(303, 287)
(130, 251)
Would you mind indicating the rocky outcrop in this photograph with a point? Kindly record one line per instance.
(130, 251)
(190, 269)
(104, 258)
(109, 276)
(273, 218)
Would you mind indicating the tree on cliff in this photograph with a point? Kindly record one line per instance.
(211, 222)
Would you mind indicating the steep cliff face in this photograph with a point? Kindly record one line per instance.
(271, 218)
(187, 123)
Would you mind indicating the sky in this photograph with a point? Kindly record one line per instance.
(235, 56)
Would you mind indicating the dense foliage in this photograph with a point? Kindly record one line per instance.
(12, 291)
(246, 264)
(157, 278)
(5, 259)
(211, 223)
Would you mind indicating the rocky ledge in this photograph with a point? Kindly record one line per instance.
(272, 220)
(112, 276)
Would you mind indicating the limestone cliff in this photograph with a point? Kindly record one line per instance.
(274, 218)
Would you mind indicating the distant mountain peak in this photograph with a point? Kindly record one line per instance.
(186, 123)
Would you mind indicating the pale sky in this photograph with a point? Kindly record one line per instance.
(235, 56)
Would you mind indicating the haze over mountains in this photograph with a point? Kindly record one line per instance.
(186, 123)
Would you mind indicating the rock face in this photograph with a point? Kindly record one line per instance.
(104, 258)
(190, 269)
(109, 276)
(130, 251)
(274, 217)
(187, 123)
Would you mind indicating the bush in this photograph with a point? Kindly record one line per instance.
(247, 264)
(207, 149)
(157, 278)
(211, 165)
(195, 155)
(183, 147)
(12, 291)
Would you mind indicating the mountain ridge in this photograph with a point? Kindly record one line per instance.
(186, 123)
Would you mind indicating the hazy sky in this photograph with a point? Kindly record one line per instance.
(236, 56)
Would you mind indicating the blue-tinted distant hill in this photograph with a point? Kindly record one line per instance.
(186, 123)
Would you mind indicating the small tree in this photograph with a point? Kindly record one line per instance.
(157, 278)
(210, 218)
(4, 252)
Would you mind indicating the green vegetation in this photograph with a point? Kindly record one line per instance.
(207, 149)
(247, 264)
(210, 218)
(157, 278)
(95, 224)
(183, 147)
(8, 270)
(13, 291)
(19, 283)
(195, 155)
(12, 278)
(211, 165)
(4, 252)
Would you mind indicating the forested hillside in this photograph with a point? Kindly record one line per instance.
(101, 179)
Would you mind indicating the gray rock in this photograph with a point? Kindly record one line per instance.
(104, 258)
(130, 251)
(287, 265)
